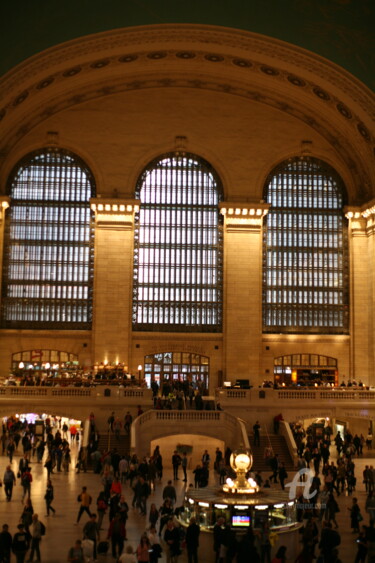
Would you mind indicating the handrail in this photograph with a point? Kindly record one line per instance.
(244, 433)
(285, 430)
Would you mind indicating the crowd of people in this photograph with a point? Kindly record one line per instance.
(126, 484)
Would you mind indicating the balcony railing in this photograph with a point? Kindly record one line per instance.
(242, 396)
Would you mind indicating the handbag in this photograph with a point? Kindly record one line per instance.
(359, 517)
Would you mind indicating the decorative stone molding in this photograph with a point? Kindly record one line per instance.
(361, 219)
(114, 213)
(243, 216)
(159, 37)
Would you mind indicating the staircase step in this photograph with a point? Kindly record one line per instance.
(110, 442)
(279, 446)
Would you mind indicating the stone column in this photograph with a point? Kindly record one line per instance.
(114, 229)
(243, 289)
(361, 295)
(4, 204)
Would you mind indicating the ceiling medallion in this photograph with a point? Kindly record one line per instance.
(72, 71)
(185, 55)
(364, 131)
(296, 81)
(21, 98)
(100, 64)
(44, 83)
(344, 110)
(242, 63)
(321, 94)
(157, 55)
(269, 70)
(214, 58)
(127, 58)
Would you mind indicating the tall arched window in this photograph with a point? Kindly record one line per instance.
(305, 258)
(178, 247)
(48, 258)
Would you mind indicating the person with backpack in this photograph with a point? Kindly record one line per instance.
(37, 531)
(9, 481)
(20, 544)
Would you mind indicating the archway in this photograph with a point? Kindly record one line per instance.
(177, 366)
(305, 370)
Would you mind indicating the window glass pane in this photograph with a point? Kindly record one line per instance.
(48, 257)
(305, 250)
(178, 247)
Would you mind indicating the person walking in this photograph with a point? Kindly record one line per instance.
(9, 481)
(36, 536)
(274, 464)
(184, 463)
(26, 480)
(49, 497)
(169, 491)
(143, 550)
(172, 539)
(117, 535)
(20, 543)
(282, 475)
(5, 544)
(91, 531)
(10, 449)
(85, 499)
(192, 541)
(256, 430)
(355, 515)
(176, 462)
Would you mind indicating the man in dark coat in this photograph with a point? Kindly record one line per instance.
(192, 541)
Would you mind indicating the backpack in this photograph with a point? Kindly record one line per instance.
(102, 505)
(42, 529)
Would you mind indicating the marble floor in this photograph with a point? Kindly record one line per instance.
(62, 532)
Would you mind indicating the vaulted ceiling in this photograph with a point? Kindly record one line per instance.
(339, 30)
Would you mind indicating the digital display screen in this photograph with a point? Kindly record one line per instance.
(240, 520)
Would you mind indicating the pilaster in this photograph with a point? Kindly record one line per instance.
(4, 204)
(243, 288)
(361, 289)
(114, 228)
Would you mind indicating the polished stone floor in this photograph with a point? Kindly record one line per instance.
(62, 533)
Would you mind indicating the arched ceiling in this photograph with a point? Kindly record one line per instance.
(276, 74)
(339, 30)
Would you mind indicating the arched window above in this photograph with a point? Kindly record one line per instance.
(178, 247)
(48, 250)
(305, 250)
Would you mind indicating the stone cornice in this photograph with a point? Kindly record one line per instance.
(243, 216)
(208, 35)
(113, 213)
